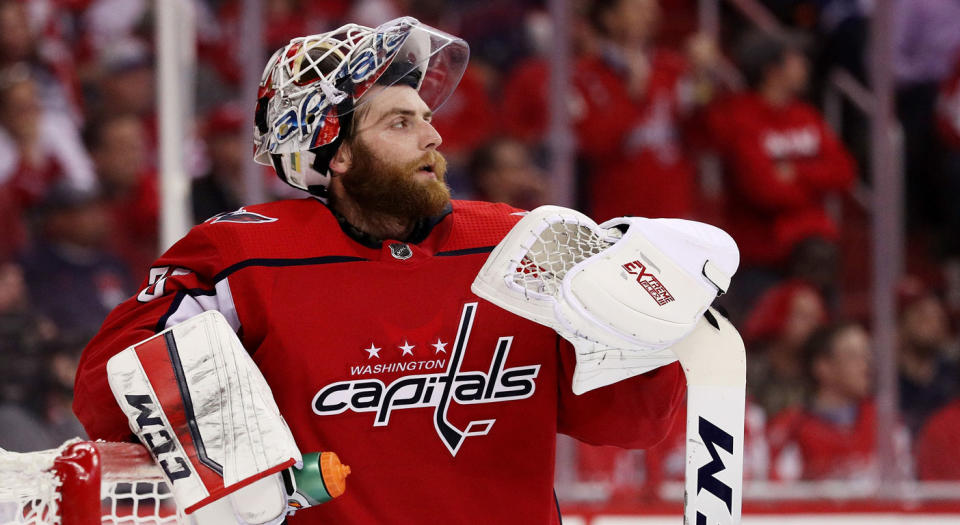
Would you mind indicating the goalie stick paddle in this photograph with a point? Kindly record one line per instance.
(714, 361)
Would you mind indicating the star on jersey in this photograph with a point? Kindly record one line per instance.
(407, 348)
(373, 351)
(440, 346)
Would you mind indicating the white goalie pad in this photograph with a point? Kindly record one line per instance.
(622, 292)
(199, 403)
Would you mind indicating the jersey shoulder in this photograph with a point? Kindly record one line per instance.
(480, 224)
(280, 229)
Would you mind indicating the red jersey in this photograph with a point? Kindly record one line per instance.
(780, 163)
(135, 223)
(936, 450)
(526, 112)
(446, 407)
(634, 146)
(804, 445)
(466, 119)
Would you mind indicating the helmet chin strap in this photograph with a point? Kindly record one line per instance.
(321, 166)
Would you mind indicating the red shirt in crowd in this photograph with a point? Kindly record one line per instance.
(526, 96)
(24, 189)
(633, 146)
(936, 451)
(466, 119)
(780, 163)
(805, 445)
(136, 224)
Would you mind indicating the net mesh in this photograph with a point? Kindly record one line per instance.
(554, 251)
(28, 487)
(132, 490)
(143, 501)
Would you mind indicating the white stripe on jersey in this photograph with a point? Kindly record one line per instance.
(221, 300)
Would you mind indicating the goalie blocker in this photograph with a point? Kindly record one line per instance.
(198, 402)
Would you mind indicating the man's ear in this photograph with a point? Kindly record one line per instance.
(342, 159)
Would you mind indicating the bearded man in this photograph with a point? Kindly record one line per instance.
(355, 301)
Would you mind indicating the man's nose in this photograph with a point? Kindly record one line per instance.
(431, 138)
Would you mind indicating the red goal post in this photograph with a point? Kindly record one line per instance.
(84, 483)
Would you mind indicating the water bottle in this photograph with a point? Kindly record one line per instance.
(321, 479)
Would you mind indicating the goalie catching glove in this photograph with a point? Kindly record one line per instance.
(622, 292)
(198, 402)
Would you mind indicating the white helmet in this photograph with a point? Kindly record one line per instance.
(311, 86)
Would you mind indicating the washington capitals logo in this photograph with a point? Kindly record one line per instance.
(438, 391)
(240, 216)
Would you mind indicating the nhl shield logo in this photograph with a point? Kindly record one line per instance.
(400, 251)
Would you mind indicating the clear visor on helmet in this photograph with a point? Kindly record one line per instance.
(313, 81)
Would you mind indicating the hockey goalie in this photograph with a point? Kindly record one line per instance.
(437, 346)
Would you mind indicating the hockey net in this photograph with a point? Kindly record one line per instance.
(84, 483)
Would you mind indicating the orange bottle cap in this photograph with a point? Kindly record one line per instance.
(334, 473)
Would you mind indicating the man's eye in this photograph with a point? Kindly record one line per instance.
(400, 123)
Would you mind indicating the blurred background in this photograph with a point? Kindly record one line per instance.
(824, 135)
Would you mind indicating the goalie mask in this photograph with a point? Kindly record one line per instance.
(311, 87)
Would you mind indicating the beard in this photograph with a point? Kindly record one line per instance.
(392, 189)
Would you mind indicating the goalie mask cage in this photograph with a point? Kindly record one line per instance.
(85, 483)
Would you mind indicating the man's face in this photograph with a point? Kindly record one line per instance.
(16, 41)
(796, 72)
(228, 152)
(86, 225)
(512, 178)
(13, 289)
(130, 91)
(633, 22)
(20, 111)
(121, 153)
(925, 327)
(393, 164)
(806, 314)
(849, 366)
(854, 360)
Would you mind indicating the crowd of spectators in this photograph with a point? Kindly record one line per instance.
(667, 121)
